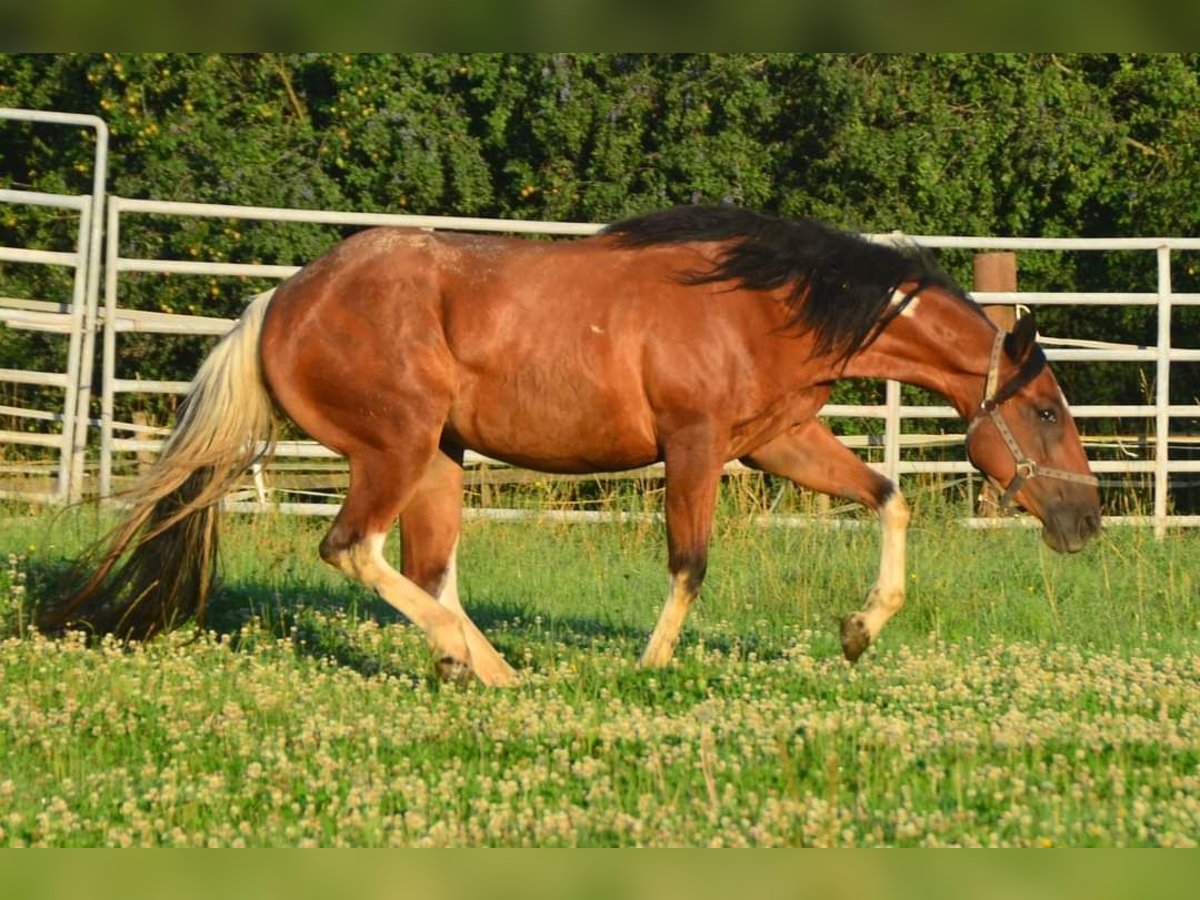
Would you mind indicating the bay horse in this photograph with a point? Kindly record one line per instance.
(692, 336)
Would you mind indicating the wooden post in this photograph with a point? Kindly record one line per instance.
(995, 272)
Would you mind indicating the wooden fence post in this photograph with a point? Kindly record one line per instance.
(995, 272)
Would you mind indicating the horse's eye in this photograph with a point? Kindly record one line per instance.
(1048, 416)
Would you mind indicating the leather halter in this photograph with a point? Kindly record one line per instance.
(989, 408)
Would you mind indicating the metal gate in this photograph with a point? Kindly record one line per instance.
(73, 318)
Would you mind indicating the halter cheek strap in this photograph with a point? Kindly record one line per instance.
(989, 408)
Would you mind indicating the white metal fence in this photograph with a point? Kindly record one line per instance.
(73, 318)
(1158, 465)
(80, 321)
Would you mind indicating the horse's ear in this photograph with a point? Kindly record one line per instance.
(1020, 342)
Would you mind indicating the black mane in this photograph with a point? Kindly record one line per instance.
(841, 284)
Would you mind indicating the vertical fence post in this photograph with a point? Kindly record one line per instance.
(108, 351)
(1162, 394)
(995, 272)
(88, 338)
(891, 432)
(70, 475)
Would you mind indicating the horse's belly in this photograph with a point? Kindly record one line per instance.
(564, 460)
(552, 424)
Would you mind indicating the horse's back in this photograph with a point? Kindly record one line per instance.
(549, 353)
(558, 355)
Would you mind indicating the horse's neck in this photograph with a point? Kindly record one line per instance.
(940, 344)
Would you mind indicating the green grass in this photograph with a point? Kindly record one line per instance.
(1019, 698)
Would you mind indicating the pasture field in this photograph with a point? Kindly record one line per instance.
(1019, 699)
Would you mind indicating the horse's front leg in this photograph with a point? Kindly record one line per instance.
(693, 471)
(811, 456)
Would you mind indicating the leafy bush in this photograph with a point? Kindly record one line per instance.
(1001, 144)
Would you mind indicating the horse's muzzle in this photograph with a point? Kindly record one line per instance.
(1068, 530)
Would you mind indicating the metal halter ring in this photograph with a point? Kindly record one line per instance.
(1027, 468)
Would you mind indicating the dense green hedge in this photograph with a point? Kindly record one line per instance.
(1092, 145)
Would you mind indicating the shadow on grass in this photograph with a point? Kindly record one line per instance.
(45, 582)
(300, 613)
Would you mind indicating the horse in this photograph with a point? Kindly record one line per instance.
(691, 336)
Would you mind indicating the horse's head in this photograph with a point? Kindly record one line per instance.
(1024, 439)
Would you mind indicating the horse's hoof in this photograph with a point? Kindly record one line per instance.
(499, 679)
(453, 671)
(855, 638)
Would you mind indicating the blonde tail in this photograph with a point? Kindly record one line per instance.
(155, 569)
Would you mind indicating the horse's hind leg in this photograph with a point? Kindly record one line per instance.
(430, 525)
(380, 486)
(812, 457)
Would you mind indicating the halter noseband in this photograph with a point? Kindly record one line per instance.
(993, 399)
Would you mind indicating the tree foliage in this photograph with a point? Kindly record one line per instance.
(995, 144)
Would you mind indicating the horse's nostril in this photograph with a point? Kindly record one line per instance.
(1089, 524)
